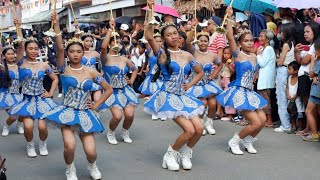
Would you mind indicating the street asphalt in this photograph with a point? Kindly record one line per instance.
(280, 156)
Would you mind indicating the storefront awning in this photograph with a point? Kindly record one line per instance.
(41, 18)
(105, 7)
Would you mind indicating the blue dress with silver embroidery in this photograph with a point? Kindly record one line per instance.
(171, 101)
(11, 96)
(32, 105)
(204, 88)
(123, 95)
(147, 87)
(240, 94)
(89, 62)
(74, 111)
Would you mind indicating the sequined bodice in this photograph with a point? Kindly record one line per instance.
(115, 75)
(89, 62)
(76, 94)
(245, 74)
(15, 82)
(173, 82)
(153, 65)
(207, 69)
(32, 82)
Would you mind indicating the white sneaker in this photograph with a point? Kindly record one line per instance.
(208, 125)
(234, 145)
(279, 129)
(186, 155)
(59, 95)
(31, 150)
(171, 160)
(247, 142)
(20, 127)
(71, 172)
(5, 130)
(94, 171)
(43, 148)
(154, 117)
(125, 136)
(112, 138)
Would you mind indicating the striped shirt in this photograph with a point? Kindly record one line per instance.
(216, 42)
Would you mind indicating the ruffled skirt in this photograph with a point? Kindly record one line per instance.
(121, 98)
(148, 88)
(241, 99)
(7, 100)
(85, 121)
(33, 107)
(204, 91)
(167, 105)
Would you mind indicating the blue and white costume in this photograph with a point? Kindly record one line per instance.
(147, 87)
(123, 95)
(240, 94)
(74, 111)
(90, 62)
(33, 104)
(205, 87)
(11, 96)
(171, 101)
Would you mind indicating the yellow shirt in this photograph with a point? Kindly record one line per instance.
(272, 26)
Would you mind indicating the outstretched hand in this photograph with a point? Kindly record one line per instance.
(112, 23)
(16, 22)
(150, 3)
(55, 18)
(229, 10)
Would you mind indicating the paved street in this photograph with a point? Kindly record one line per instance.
(280, 156)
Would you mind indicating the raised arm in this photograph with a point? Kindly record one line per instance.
(20, 50)
(232, 41)
(150, 31)
(105, 43)
(58, 40)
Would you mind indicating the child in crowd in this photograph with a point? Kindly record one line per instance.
(313, 107)
(291, 92)
(226, 73)
(138, 58)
